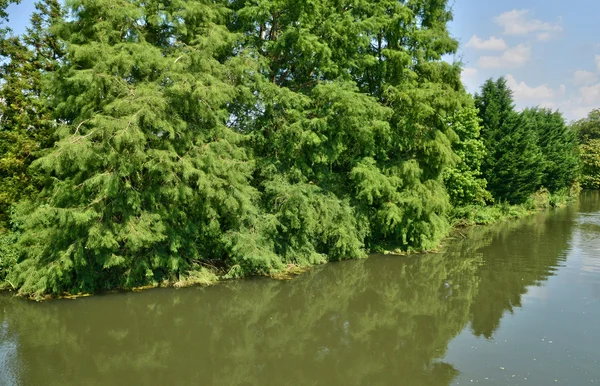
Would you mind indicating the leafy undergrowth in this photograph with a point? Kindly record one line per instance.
(471, 215)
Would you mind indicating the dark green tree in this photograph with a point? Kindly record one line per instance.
(514, 164)
(558, 144)
(496, 111)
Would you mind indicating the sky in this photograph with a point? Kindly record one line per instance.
(548, 50)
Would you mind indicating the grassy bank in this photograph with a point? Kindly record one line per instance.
(486, 215)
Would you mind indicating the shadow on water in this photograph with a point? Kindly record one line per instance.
(385, 320)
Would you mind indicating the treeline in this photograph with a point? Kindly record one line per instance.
(588, 132)
(157, 142)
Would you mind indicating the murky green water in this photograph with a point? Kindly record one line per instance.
(514, 304)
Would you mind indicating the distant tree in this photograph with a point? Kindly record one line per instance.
(588, 128)
(558, 144)
(588, 133)
(590, 160)
(496, 111)
(513, 166)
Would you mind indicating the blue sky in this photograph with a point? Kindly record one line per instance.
(549, 50)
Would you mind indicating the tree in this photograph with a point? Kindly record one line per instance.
(513, 166)
(357, 89)
(147, 180)
(242, 136)
(590, 160)
(588, 128)
(558, 144)
(588, 133)
(26, 124)
(464, 182)
(496, 111)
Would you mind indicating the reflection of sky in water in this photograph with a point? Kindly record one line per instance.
(552, 338)
(536, 293)
(586, 244)
(8, 353)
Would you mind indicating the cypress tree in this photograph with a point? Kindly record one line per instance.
(513, 166)
(558, 144)
(147, 180)
(239, 135)
(358, 89)
(519, 169)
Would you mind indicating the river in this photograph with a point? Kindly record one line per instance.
(513, 304)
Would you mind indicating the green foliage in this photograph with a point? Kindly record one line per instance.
(588, 133)
(147, 179)
(558, 144)
(588, 128)
(514, 164)
(464, 182)
(590, 160)
(244, 136)
(8, 254)
(345, 107)
(26, 125)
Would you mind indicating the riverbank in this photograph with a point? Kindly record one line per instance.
(204, 274)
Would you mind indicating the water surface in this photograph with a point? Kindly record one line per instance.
(513, 304)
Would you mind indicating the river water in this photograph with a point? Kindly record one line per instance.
(512, 304)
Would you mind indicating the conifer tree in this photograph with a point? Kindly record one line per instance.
(513, 166)
(240, 135)
(26, 125)
(147, 179)
(496, 110)
(332, 63)
(558, 144)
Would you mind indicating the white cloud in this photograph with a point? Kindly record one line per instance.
(492, 44)
(524, 92)
(578, 105)
(598, 62)
(572, 109)
(511, 58)
(582, 77)
(544, 36)
(590, 95)
(470, 78)
(517, 22)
